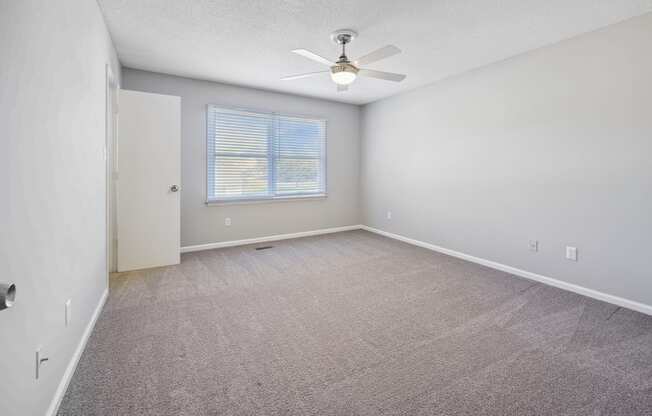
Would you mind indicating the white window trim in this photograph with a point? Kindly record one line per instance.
(264, 199)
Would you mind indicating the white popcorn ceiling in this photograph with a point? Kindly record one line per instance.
(248, 42)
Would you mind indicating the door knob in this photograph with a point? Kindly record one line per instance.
(7, 295)
(174, 188)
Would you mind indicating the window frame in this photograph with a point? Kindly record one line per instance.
(271, 158)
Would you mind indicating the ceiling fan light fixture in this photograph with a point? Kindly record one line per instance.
(344, 71)
(343, 74)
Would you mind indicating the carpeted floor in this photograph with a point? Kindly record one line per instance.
(356, 324)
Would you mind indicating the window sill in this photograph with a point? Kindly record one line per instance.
(265, 200)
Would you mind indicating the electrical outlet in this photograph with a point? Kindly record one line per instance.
(571, 253)
(533, 245)
(389, 215)
(227, 222)
(68, 312)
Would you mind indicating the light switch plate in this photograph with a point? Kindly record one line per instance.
(533, 245)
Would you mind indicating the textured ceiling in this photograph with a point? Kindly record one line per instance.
(248, 42)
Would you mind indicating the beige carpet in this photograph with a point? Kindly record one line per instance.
(356, 324)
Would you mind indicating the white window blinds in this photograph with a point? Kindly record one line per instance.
(264, 156)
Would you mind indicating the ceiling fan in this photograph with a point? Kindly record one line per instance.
(344, 71)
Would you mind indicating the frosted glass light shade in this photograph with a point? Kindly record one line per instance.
(343, 77)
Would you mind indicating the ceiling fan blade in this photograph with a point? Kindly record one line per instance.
(341, 88)
(378, 54)
(388, 76)
(306, 75)
(313, 56)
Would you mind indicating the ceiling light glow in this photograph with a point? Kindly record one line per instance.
(343, 74)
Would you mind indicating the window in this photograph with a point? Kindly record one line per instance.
(264, 156)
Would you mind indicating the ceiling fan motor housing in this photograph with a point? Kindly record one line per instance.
(344, 67)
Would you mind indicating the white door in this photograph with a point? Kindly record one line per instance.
(148, 185)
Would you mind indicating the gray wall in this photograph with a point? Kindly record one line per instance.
(202, 224)
(52, 211)
(553, 145)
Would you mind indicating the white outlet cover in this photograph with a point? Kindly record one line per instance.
(389, 215)
(534, 245)
(571, 253)
(227, 221)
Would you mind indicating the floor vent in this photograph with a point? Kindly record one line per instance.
(264, 247)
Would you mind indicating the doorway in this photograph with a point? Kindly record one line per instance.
(110, 156)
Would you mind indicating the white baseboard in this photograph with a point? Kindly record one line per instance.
(72, 365)
(222, 244)
(616, 300)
